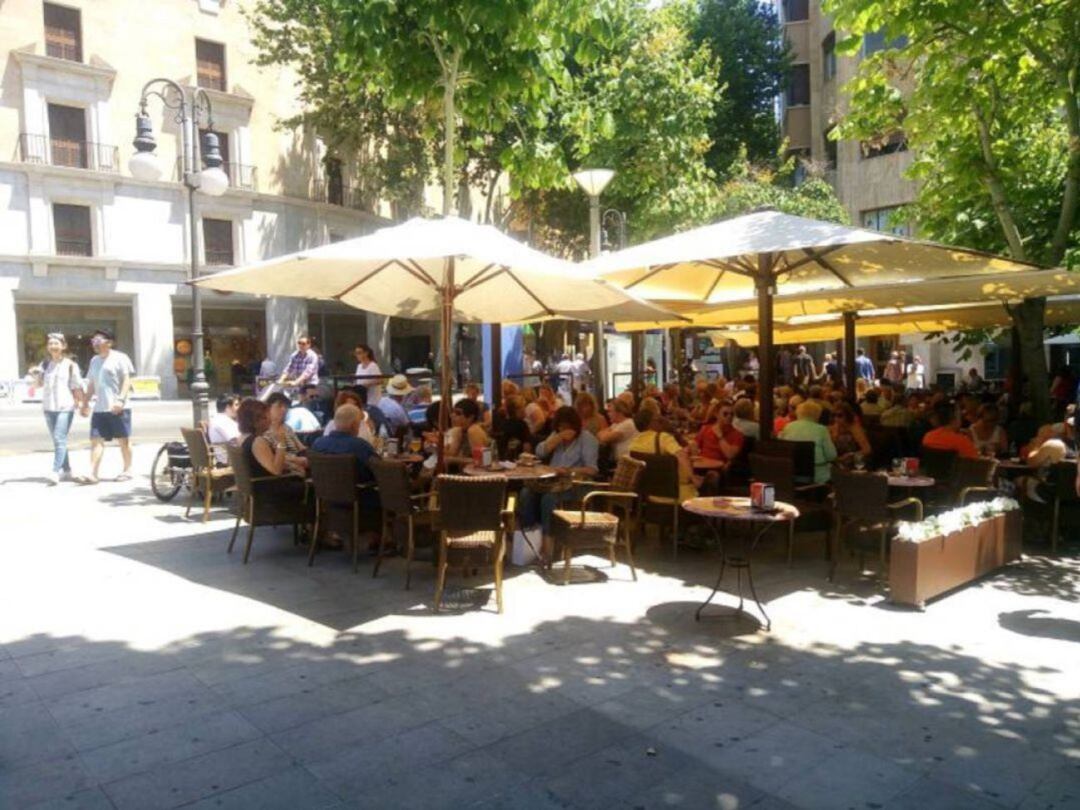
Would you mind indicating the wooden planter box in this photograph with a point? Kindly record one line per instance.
(921, 571)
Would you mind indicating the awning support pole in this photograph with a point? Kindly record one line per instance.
(766, 360)
(849, 353)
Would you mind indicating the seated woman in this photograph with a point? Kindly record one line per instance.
(539, 424)
(265, 459)
(466, 432)
(514, 437)
(989, 436)
(278, 433)
(848, 435)
(657, 438)
(367, 428)
(720, 440)
(622, 430)
(807, 427)
(571, 450)
(591, 419)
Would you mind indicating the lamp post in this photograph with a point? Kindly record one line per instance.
(593, 182)
(204, 175)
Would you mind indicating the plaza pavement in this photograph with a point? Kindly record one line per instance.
(142, 667)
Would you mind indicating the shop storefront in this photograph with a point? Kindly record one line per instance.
(235, 343)
(35, 321)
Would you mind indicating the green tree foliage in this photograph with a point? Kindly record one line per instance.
(988, 94)
(752, 69)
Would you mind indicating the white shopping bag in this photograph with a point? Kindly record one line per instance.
(526, 546)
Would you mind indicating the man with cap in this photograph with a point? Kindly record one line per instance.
(390, 403)
(108, 385)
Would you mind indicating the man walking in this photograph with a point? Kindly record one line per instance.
(108, 385)
(864, 366)
(802, 366)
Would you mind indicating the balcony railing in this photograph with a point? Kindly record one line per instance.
(240, 175)
(337, 194)
(64, 152)
(74, 247)
(219, 257)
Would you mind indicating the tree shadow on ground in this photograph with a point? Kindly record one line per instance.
(575, 713)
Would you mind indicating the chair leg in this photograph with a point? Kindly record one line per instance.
(313, 544)
(629, 553)
(193, 496)
(611, 554)
(440, 581)
(387, 523)
(247, 547)
(675, 532)
(883, 568)
(500, 553)
(834, 547)
(356, 537)
(790, 541)
(1055, 525)
(208, 495)
(409, 549)
(236, 527)
(567, 556)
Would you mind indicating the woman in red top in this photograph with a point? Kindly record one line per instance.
(720, 440)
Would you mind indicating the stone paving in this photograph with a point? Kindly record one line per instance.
(142, 667)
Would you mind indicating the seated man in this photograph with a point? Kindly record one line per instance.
(342, 440)
(947, 435)
(223, 428)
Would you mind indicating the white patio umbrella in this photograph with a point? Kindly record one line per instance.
(760, 255)
(441, 269)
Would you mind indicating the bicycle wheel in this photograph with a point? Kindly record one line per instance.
(164, 481)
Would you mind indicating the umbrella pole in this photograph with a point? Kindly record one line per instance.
(766, 361)
(849, 353)
(446, 395)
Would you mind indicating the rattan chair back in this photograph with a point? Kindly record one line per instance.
(197, 447)
(392, 479)
(627, 474)
(241, 470)
(470, 503)
(333, 476)
(938, 464)
(973, 472)
(861, 496)
(802, 455)
(776, 470)
(660, 478)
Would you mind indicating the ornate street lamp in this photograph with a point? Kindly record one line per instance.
(201, 171)
(593, 182)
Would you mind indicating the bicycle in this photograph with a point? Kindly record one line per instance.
(171, 471)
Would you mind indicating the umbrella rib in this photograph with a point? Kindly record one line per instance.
(811, 256)
(657, 268)
(530, 293)
(820, 259)
(423, 274)
(716, 282)
(480, 278)
(366, 278)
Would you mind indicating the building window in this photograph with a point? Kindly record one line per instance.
(875, 41)
(896, 142)
(210, 64)
(335, 186)
(798, 93)
(71, 223)
(218, 241)
(831, 147)
(63, 33)
(886, 220)
(796, 10)
(828, 56)
(67, 136)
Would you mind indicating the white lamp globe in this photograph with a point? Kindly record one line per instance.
(145, 166)
(594, 181)
(213, 182)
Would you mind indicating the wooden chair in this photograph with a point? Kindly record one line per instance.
(473, 520)
(861, 503)
(780, 472)
(576, 530)
(259, 506)
(335, 481)
(206, 478)
(399, 505)
(973, 478)
(658, 488)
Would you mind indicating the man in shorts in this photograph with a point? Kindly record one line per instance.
(108, 384)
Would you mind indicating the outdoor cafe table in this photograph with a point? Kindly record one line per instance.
(518, 472)
(702, 463)
(911, 481)
(739, 509)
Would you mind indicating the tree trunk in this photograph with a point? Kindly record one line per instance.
(450, 134)
(1029, 318)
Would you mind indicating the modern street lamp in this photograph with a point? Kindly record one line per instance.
(204, 175)
(593, 182)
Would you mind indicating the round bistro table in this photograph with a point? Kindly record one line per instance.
(739, 509)
(518, 472)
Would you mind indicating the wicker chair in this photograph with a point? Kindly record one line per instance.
(576, 530)
(861, 504)
(780, 471)
(399, 504)
(335, 480)
(802, 455)
(208, 479)
(257, 506)
(939, 465)
(473, 520)
(974, 477)
(658, 487)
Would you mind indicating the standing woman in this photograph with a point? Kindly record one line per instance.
(365, 368)
(62, 392)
